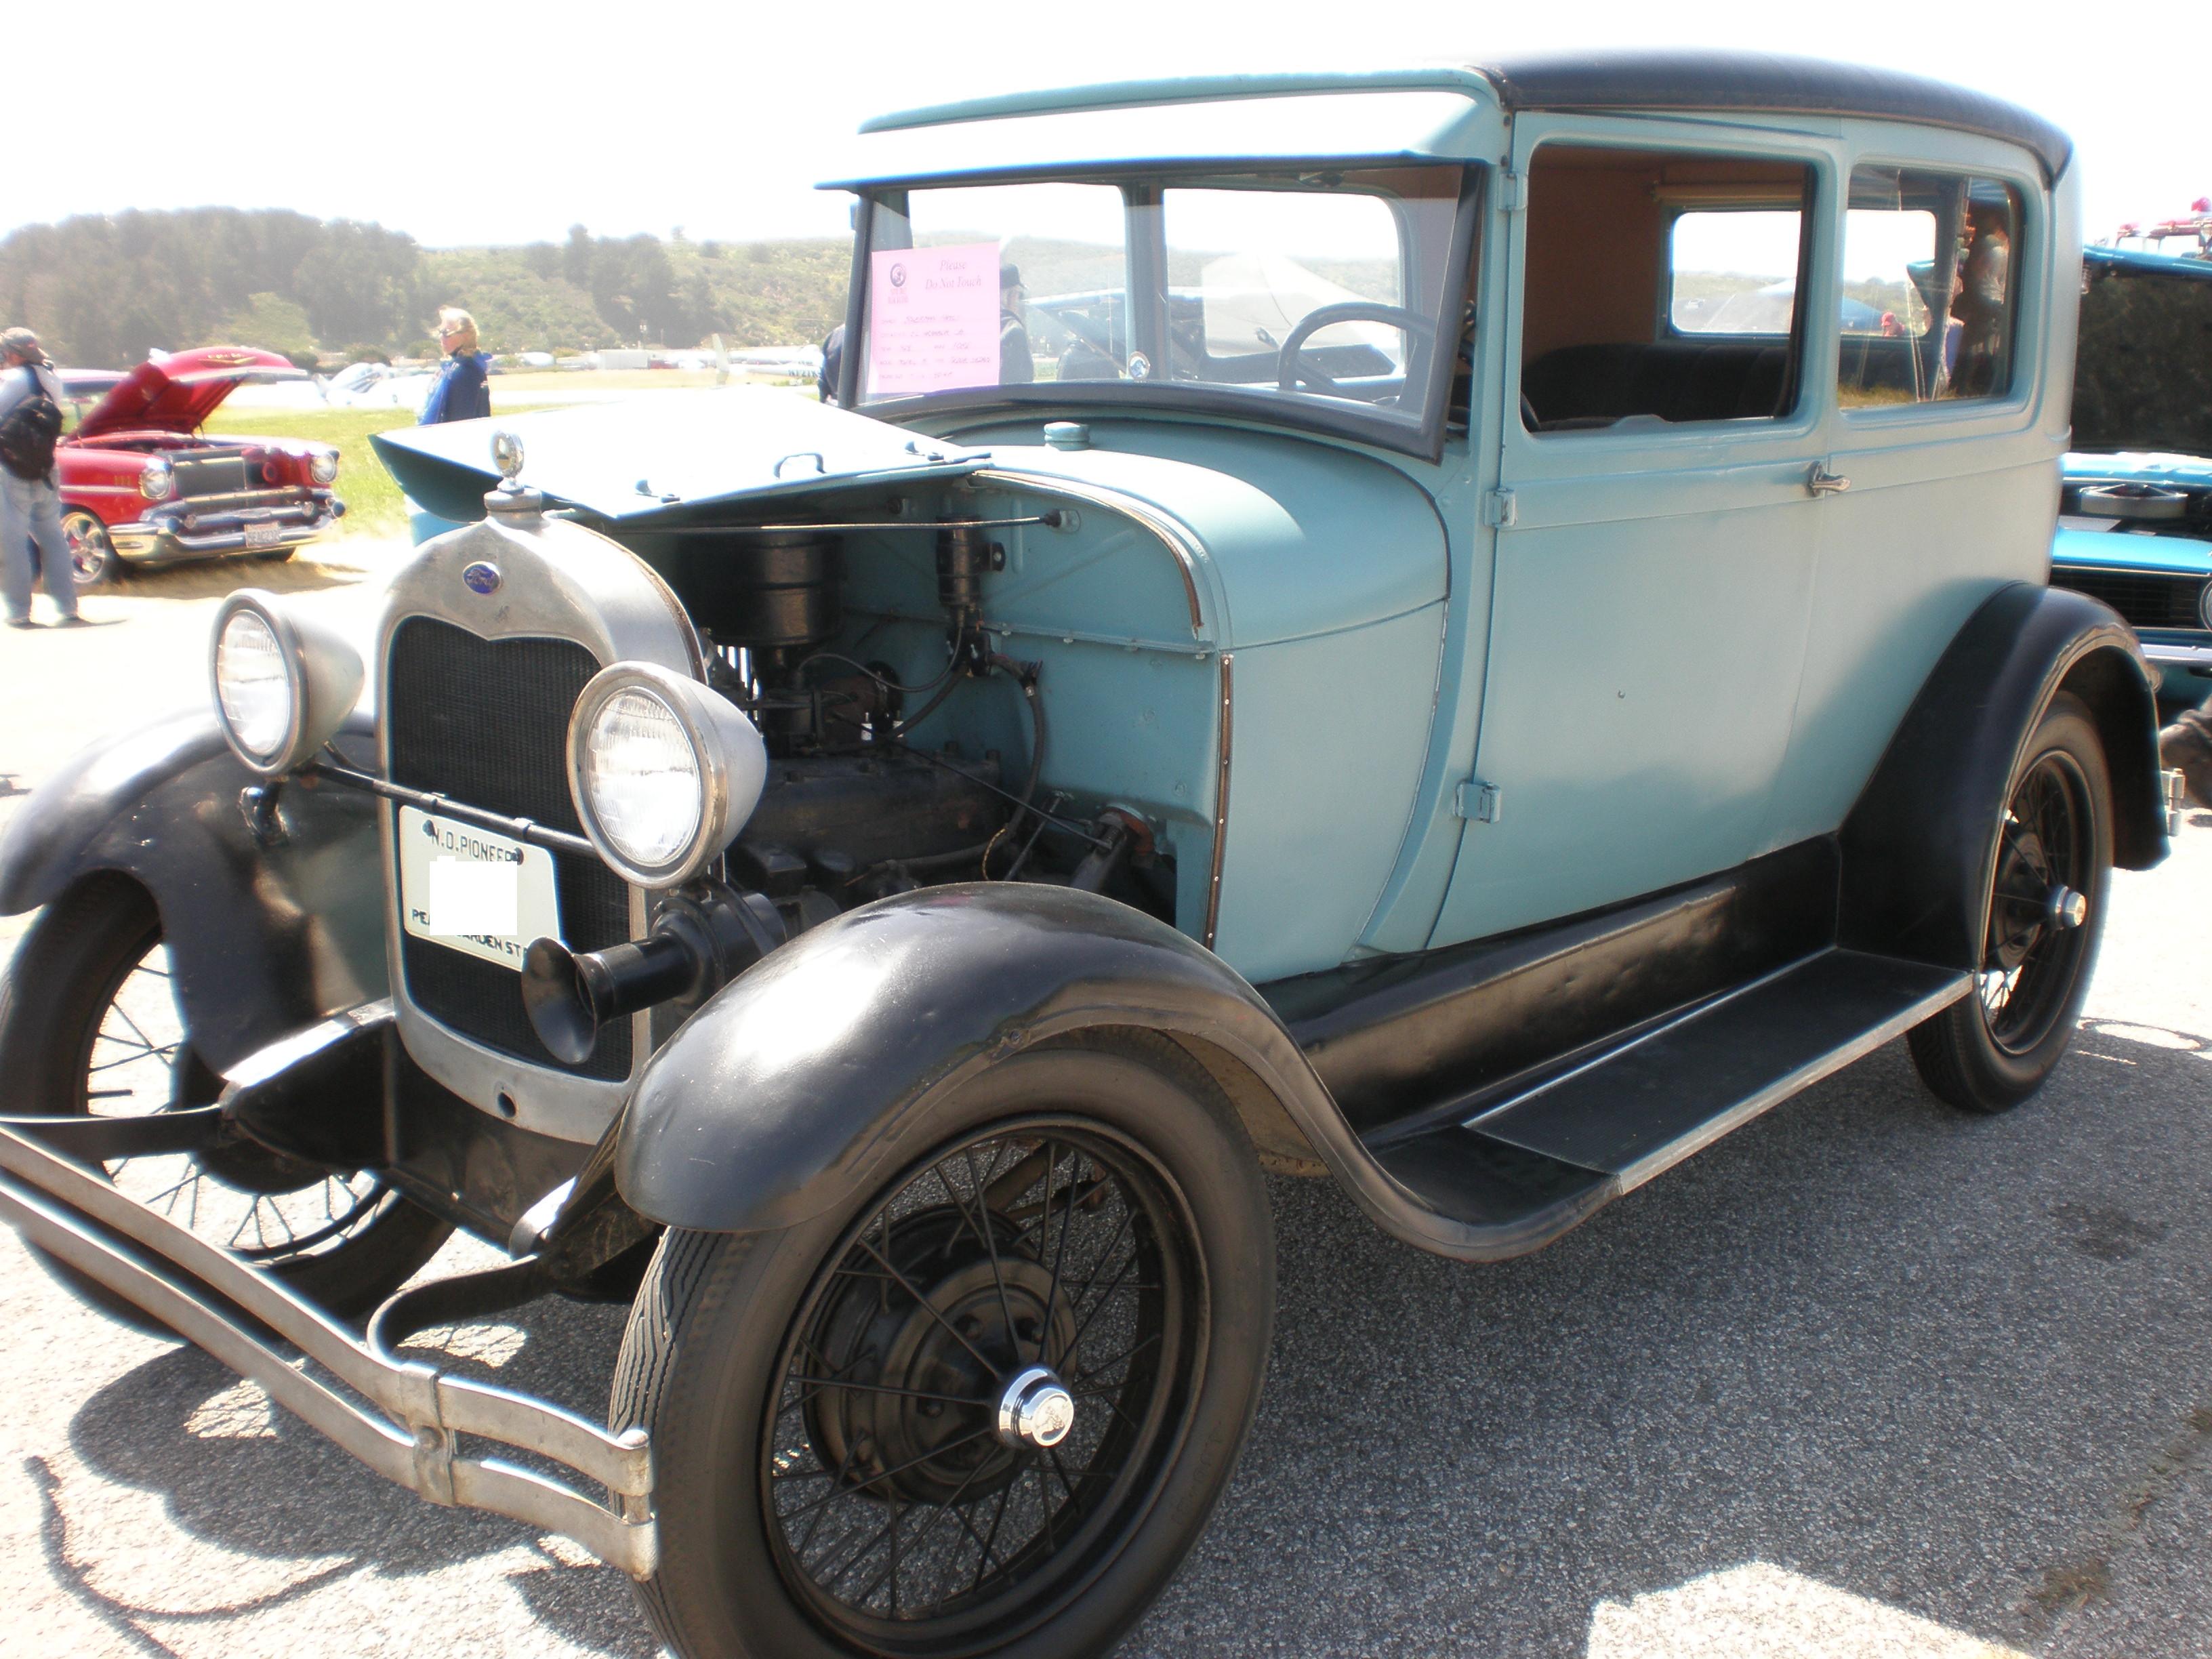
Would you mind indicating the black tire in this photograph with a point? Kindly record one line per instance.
(274, 556)
(1992, 1049)
(92, 560)
(57, 1008)
(727, 1331)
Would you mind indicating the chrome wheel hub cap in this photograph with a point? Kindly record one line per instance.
(2065, 908)
(1037, 1411)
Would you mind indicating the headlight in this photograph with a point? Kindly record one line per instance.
(157, 481)
(665, 772)
(323, 467)
(282, 685)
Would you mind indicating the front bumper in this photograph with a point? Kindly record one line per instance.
(402, 1417)
(204, 529)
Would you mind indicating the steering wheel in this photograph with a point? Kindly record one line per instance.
(1291, 370)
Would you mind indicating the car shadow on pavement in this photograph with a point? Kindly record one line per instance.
(1942, 1361)
(245, 1477)
(1933, 1360)
(213, 578)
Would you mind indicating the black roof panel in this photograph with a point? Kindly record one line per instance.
(1686, 79)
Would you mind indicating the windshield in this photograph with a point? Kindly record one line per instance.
(1316, 298)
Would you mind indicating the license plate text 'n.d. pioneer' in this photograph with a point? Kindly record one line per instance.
(471, 890)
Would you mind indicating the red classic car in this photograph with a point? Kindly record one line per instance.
(141, 485)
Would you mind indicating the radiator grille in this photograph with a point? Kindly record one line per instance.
(486, 722)
(2144, 598)
(212, 474)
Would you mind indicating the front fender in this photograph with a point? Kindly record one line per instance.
(811, 1076)
(262, 941)
(1920, 845)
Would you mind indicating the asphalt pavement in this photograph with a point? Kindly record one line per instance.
(1867, 1377)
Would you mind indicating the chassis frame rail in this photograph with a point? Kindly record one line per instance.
(211, 1298)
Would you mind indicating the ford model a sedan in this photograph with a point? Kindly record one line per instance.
(1436, 693)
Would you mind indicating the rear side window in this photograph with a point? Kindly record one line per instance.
(1734, 272)
(1659, 287)
(1932, 264)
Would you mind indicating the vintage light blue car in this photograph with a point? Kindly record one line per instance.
(1353, 687)
(2134, 526)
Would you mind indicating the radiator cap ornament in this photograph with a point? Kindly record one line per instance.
(513, 498)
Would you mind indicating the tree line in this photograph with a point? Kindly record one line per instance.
(103, 290)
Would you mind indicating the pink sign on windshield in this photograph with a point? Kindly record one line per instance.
(932, 318)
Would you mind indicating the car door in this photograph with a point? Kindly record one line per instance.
(1656, 539)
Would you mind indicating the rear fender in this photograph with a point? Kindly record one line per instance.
(813, 1076)
(262, 941)
(1920, 844)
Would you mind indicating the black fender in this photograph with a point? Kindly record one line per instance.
(262, 941)
(1920, 844)
(811, 1076)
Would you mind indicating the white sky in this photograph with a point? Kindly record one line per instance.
(716, 117)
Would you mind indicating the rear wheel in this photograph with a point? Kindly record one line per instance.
(90, 1025)
(92, 560)
(985, 1411)
(1992, 1049)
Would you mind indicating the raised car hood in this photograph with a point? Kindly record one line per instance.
(2142, 380)
(663, 455)
(179, 392)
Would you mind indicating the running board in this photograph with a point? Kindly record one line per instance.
(1539, 1152)
(406, 1431)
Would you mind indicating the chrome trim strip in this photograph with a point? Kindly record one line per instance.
(81, 1219)
(1221, 801)
(2178, 656)
(1660, 1159)
(1177, 539)
(2197, 576)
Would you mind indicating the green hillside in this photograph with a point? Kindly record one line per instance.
(105, 290)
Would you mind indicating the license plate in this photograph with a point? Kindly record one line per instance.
(484, 894)
(263, 535)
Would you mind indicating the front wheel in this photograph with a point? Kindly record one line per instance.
(92, 560)
(90, 1023)
(986, 1411)
(1992, 1050)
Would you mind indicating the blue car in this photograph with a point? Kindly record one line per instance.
(2134, 526)
(1346, 685)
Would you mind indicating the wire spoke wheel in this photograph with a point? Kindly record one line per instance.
(2033, 943)
(904, 1493)
(91, 1023)
(259, 1205)
(2049, 870)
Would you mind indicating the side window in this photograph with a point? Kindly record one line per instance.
(1661, 286)
(1930, 278)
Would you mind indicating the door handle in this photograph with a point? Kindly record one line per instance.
(1821, 481)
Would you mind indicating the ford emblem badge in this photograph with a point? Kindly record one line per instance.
(481, 578)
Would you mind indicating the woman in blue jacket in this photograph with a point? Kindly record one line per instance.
(461, 393)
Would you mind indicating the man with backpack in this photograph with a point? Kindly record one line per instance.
(30, 495)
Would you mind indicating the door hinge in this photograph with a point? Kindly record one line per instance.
(1511, 197)
(1500, 509)
(1478, 802)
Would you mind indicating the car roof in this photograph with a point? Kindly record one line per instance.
(1674, 79)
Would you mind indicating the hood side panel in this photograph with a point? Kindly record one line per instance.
(2144, 374)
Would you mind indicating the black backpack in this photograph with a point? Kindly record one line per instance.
(28, 431)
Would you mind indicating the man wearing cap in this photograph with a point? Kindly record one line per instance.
(31, 508)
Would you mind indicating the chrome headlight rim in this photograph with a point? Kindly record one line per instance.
(157, 480)
(731, 762)
(322, 468)
(279, 758)
(322, 679)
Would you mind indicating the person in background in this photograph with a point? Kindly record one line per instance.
(833, 365)
(31, 507)
(461, 393)
(1016, 366)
